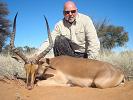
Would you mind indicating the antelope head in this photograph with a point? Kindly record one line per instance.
(30, 64)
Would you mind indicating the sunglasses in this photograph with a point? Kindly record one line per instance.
(68, 12)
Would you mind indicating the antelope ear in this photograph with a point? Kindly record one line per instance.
(47, 60)
(17, 58)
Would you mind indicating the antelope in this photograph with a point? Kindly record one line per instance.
(68, 71)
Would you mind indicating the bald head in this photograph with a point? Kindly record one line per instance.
(70, 11)
(69, 5)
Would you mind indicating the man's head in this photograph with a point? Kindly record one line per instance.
(70, 11)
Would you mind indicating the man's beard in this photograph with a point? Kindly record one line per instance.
(70, 19)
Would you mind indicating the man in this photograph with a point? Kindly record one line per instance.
(75, 35)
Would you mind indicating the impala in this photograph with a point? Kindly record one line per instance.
(68, 71)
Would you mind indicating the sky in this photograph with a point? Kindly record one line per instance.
(31, 29)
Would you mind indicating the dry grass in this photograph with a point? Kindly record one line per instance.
(9, 67)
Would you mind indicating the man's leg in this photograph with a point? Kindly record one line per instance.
(62, 47)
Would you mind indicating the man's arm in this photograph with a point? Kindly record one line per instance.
(92, 41)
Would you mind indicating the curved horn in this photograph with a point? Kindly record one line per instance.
(42, 54)
(13, 32)
(12, 47)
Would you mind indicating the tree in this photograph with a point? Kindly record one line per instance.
(111, 36)
(4, 24)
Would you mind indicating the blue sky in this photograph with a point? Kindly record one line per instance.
(31, 29)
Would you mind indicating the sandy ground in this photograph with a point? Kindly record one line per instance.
(15, 90)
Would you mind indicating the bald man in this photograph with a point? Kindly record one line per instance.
(74, 35)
